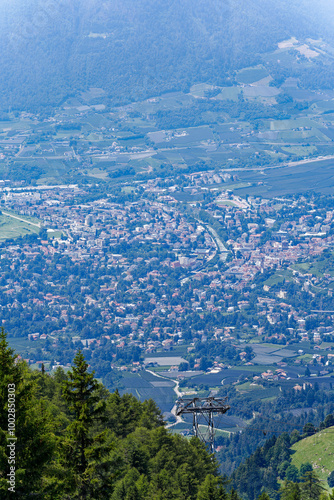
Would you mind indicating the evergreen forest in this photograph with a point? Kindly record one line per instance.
(51, 50)
(76, 440)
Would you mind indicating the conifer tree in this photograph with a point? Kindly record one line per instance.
(10, 373)
(84, 446)
(290, 491)
(212, 489)
(324, 496)
(234, 495)
(311, 487)
(35, 441)
(264, 496)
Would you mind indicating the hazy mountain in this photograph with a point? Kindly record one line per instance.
(137, 48)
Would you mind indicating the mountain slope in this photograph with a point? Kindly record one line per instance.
(132, 49)
(318, 450)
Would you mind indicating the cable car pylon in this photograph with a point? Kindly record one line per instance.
(207, 408)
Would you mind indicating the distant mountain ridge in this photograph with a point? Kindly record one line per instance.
(135, 49)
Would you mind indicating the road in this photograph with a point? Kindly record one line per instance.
(40, 188)
(173, 410)
(178, 393)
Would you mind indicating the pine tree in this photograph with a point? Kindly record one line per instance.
(84, 446)
(234, 495)
(324, 496)
(290, 491)
(10, 373)
(311, 487)
(35, 442)
(264, 496)
(212, 489)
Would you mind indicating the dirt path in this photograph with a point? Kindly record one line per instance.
(22, 220)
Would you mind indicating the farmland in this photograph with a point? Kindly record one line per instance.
(255, 128)
(146, 386)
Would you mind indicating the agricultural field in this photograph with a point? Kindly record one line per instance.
(200, 89)
(290, 179)
(229, 93)
(23, 345)
(251, 75)
(144, 386)
(254, 123)
(316, 269)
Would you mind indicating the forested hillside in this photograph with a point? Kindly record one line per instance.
(292, 466)
(291, 411)
(67, 437)
(49, 50)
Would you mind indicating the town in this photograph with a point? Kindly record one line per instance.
(180, 236)
(141, 283)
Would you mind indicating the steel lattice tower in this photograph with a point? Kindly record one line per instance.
(205, 407)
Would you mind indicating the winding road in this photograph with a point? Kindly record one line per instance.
(178, 393)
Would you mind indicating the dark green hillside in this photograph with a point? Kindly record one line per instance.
(66, 437)
(302, 463)
(132, 49)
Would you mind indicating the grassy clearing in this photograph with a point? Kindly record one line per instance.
(13, 228)
(199, 89)
(306, 358)
(251, 75)
(249, 387)
(258, 392)
(54, 234)
(281, 56)
(261, 91)
(319, 451)
(226, 203)
(276, 279)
